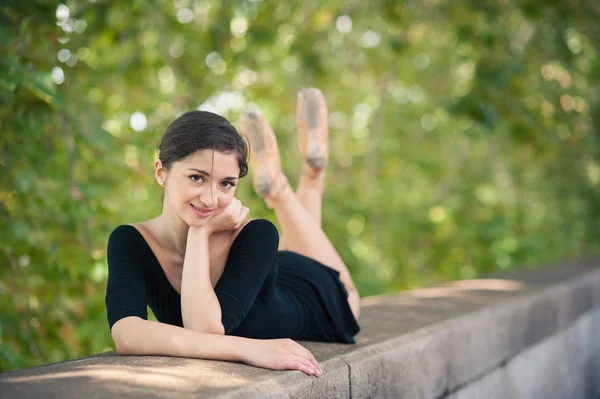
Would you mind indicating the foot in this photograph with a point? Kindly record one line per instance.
(281, 191)
(313, 127)
(311, 179)
(268, 180)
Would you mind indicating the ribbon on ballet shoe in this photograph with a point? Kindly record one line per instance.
(311, 179)
(264, 152)
(281, 189)
(313, 128)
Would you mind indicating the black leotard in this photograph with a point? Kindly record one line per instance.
(263, 292)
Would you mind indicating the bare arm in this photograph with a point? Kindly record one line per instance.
(200, 309)
(135, 336)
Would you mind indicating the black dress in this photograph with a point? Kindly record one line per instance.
(263, 293)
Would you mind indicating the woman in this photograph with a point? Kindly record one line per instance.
(223, 287)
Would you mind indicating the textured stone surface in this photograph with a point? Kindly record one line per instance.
(592, 377)
(465, 339)
(560, 366)
(165, 377)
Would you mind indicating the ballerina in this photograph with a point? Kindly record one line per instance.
(220, 285)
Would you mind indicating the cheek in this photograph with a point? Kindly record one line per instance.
(225, 199)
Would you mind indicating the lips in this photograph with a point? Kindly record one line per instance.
(201, 212)
(201, 209)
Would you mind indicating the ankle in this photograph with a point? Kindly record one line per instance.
(281, 191)
(311, 179)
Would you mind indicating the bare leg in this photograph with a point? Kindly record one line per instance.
(310, 192)
(313, 132)
(306, 237)
(310, 195)
(300, 224)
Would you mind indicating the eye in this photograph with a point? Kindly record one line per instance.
(200, 178)
(228, 184)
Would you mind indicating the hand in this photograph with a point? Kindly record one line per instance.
(231, 217)
(281, 354)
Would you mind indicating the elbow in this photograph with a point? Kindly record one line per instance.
(220, 330)
(121, 347)
(206, 324)
(215, 329)
(121, 337)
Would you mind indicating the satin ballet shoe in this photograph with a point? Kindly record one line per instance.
(280, 191)
(313, 128)
(264, 153)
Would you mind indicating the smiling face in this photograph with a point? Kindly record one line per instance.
(199, 184)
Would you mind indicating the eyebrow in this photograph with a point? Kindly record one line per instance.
(203, 172)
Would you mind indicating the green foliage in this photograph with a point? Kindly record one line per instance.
(463, 137)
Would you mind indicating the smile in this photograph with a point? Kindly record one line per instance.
(201, 212)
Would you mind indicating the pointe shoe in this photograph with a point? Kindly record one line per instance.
(313, 128)
(264, 154)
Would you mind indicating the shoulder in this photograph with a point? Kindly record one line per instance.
(259, 223)
(127, 251)
(124, 231)
(125, 237)
(257, 232)
(259, 227)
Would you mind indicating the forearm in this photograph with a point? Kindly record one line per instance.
(200, 307)
(135, 336)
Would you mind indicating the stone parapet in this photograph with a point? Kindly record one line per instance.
(523, 334)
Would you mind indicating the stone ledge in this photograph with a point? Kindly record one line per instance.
(428, 343)
(563, 367)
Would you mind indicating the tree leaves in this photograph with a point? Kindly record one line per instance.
(461, 137)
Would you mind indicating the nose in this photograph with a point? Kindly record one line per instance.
(210, 198)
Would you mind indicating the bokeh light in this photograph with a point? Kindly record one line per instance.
(185, 15)
(62, 13)
(138, 121)
(370, 39)
(239, 26)
(343, 24)
(58, 75)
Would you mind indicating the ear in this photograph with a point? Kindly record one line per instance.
(160, 173)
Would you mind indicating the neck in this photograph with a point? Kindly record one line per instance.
(172, 231)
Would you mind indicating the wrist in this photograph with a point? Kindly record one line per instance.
(199, 232)
(239, 349)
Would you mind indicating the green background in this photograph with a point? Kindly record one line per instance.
(464, 137)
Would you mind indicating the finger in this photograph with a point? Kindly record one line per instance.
(315, 369)
(306, 365)
(235, 208)
(296, 365)
(244, 213)
(305, 353)
(231, 204)
(240, 223)
(314, 362)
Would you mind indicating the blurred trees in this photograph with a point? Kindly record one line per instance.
(464, 136)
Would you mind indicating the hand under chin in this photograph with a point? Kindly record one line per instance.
(195, 222)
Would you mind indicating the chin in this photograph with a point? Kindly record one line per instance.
(195, 223)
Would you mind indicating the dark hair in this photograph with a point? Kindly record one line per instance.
(201, 130)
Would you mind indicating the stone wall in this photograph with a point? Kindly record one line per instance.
(524, 334)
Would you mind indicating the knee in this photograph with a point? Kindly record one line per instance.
(348, 283)
(354, 302)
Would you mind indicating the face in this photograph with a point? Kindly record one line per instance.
(198, 185)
